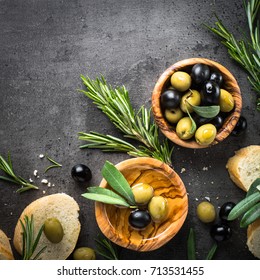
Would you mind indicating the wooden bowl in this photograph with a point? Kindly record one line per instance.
(230, 84)
(113, 221)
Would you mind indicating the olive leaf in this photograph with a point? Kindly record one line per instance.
(206, 111)
(191, 245)
(105, 196)
(250, 216)
(118, 182)
(254, 187)
(193, 124)
(244, 205)
(212, 251)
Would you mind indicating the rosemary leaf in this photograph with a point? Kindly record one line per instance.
(7, 168)
(106, 249)
(115, 103)
(245, 52)
(30, 243)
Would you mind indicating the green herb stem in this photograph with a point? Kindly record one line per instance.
(245, 52)
(7, 167)
(115, 103)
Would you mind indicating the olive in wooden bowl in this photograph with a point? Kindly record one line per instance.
(196, 103)
(113, 221)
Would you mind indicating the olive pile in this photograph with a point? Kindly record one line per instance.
(202, 87)
(221, 230)
(150, 207)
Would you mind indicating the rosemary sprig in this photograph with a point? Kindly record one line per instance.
(7, 167)
(54, 165)
(115, 103)
(30, 242)
(106, 249)
(245, 52)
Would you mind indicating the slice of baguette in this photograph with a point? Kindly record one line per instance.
(6, 252)
(253, 238)
(244, 166)
(60, 206)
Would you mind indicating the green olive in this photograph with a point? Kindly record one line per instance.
(226, 101)
(189, 99)
(158, 208)
(206, 212)
(173, 115)
(53, 230)
(181, 81)
(205, 134)
(84, 253)
(142, 193)
(184, 128)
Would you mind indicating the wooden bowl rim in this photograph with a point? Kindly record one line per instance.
(231, 120)
(100, 209)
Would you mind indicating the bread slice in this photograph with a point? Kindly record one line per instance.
(60, 206)
(253, 238)
(6, 252)
(244, 166)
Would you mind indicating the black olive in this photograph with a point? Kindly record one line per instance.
(170, 99)
(210, 93)
(81, 173)
(217, 78)
(240, 127)
(220, 232)
(218, 121)
(200, 73)
(200, 120)
(225, 210)
(139, 219)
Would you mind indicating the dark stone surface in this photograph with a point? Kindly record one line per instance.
(47, 45)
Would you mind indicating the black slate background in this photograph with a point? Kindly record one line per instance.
(44, 48)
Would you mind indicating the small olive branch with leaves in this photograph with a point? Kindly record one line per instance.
(115, 103)
(245, 52)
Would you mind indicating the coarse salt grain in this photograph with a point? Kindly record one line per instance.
(41, 156)
(35, 173)
(44, 181)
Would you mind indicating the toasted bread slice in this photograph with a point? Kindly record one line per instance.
(60, 206)
(253, 238)
(6, 252)
(244, 166)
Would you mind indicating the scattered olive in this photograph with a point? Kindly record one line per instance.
(225, 210)
(158, 208)
(142, 193)
(53, 230)
(205, 134)
(206, 212)
(200, 73)
(84, 253)
(81, 173)
(184, 128)
(170, 99)
(189, 99)
(139, 219)
(216, 77)
(226, 101)
(240, 127)
(181, 81)
(173, 115)
(220, 232)
(210, 93)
